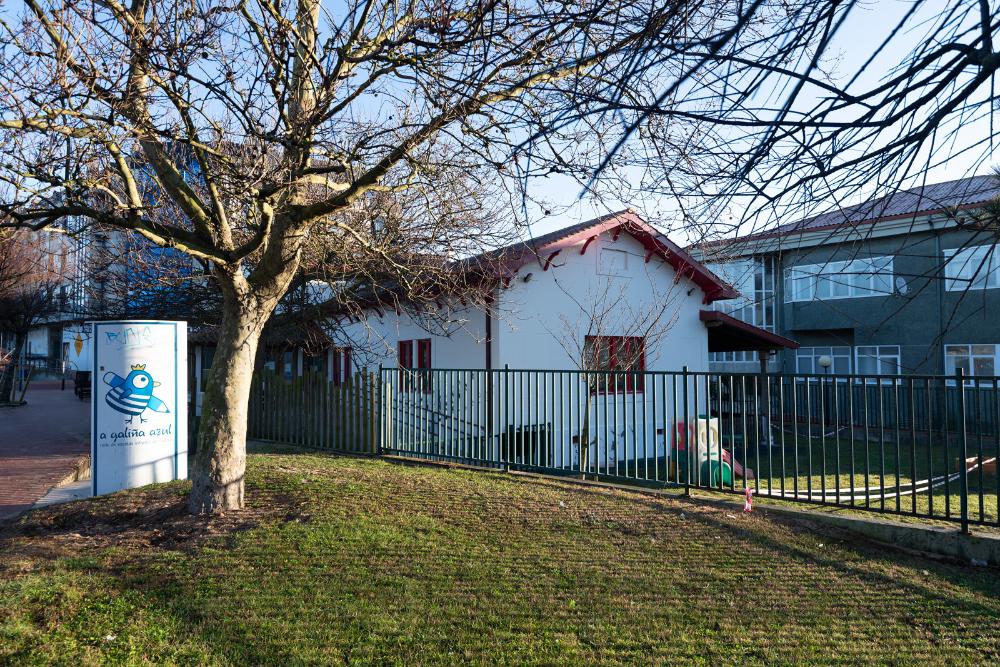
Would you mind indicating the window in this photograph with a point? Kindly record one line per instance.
(871, 276)
(754, 279)
(615, 353)
(314, 364)
(973, 360)
(613, 262)
(341, 365)
(877, 360)
(975, 267)
(406, 362)
(406, 354)
(807, 360)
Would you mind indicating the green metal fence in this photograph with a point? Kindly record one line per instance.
(312, 411)
(925, 446)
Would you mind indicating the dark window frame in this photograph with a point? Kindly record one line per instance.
(625, 368)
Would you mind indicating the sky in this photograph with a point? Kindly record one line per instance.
(867, 27)
(564, 203)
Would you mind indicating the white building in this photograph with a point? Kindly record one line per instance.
(611, 297)
(595, 283)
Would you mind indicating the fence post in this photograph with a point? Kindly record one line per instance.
(963, 446)
(388, 410)
(687, 433)
(372, 412)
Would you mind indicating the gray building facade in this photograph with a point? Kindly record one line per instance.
(905, 284)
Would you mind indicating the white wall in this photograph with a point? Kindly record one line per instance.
(37, 343)
(77, 361)
(542, 323)
(458, 343)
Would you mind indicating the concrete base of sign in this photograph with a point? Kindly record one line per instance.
(66, 493)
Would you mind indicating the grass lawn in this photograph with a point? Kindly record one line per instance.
(843, 462)
(347, 560)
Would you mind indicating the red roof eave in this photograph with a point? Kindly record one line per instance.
(683, 263)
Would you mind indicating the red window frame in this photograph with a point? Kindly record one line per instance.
(424, 361)
(347, 362)
(341, 365)
(620, 351)
(424, 353)
(407, 361)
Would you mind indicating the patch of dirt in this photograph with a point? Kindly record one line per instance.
(132, 521)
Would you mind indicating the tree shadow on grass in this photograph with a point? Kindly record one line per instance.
(981, 580)
(200, 589)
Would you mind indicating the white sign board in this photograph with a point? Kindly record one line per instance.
(138, 404)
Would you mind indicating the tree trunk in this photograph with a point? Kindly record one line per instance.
(219, 466)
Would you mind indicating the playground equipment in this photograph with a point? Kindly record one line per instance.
(715, 465)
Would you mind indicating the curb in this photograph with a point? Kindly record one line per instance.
(80, 472)
(969, 548)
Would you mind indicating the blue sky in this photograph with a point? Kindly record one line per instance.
(866, 28)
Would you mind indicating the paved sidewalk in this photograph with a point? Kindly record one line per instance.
(67, 493)
(39, 444)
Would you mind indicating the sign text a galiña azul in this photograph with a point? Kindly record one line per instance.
(139, 404)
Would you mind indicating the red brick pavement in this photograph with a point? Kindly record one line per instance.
(39, 444)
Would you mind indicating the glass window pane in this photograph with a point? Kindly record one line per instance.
(804, 362)
(959, 363)
(867, 365)
(956, 349)
(983, 366)
(804, 288)
(841, 365)
(882, 282)
(823, 287)
(889, 366)
(841, 286)
(983, 350)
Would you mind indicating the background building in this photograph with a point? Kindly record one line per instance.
(906, 283)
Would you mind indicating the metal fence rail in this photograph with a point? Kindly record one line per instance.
(311, 411)
(925, 446)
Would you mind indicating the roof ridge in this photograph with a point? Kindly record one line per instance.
(955, 193)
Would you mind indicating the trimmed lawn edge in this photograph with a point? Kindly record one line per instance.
(926, 540)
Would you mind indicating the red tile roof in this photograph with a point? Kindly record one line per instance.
(511, 258)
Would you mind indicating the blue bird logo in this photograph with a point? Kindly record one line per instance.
(132, 395)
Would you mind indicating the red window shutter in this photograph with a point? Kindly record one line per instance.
(347, 363)
(638, 357)
(424, 361)
(336, 367)
(405, 362)
(424, 353)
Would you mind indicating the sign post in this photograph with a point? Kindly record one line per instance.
(138, 404)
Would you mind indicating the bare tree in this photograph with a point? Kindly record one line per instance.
(609, 312)
(804, 117)
(32, 271)
(277, 137)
